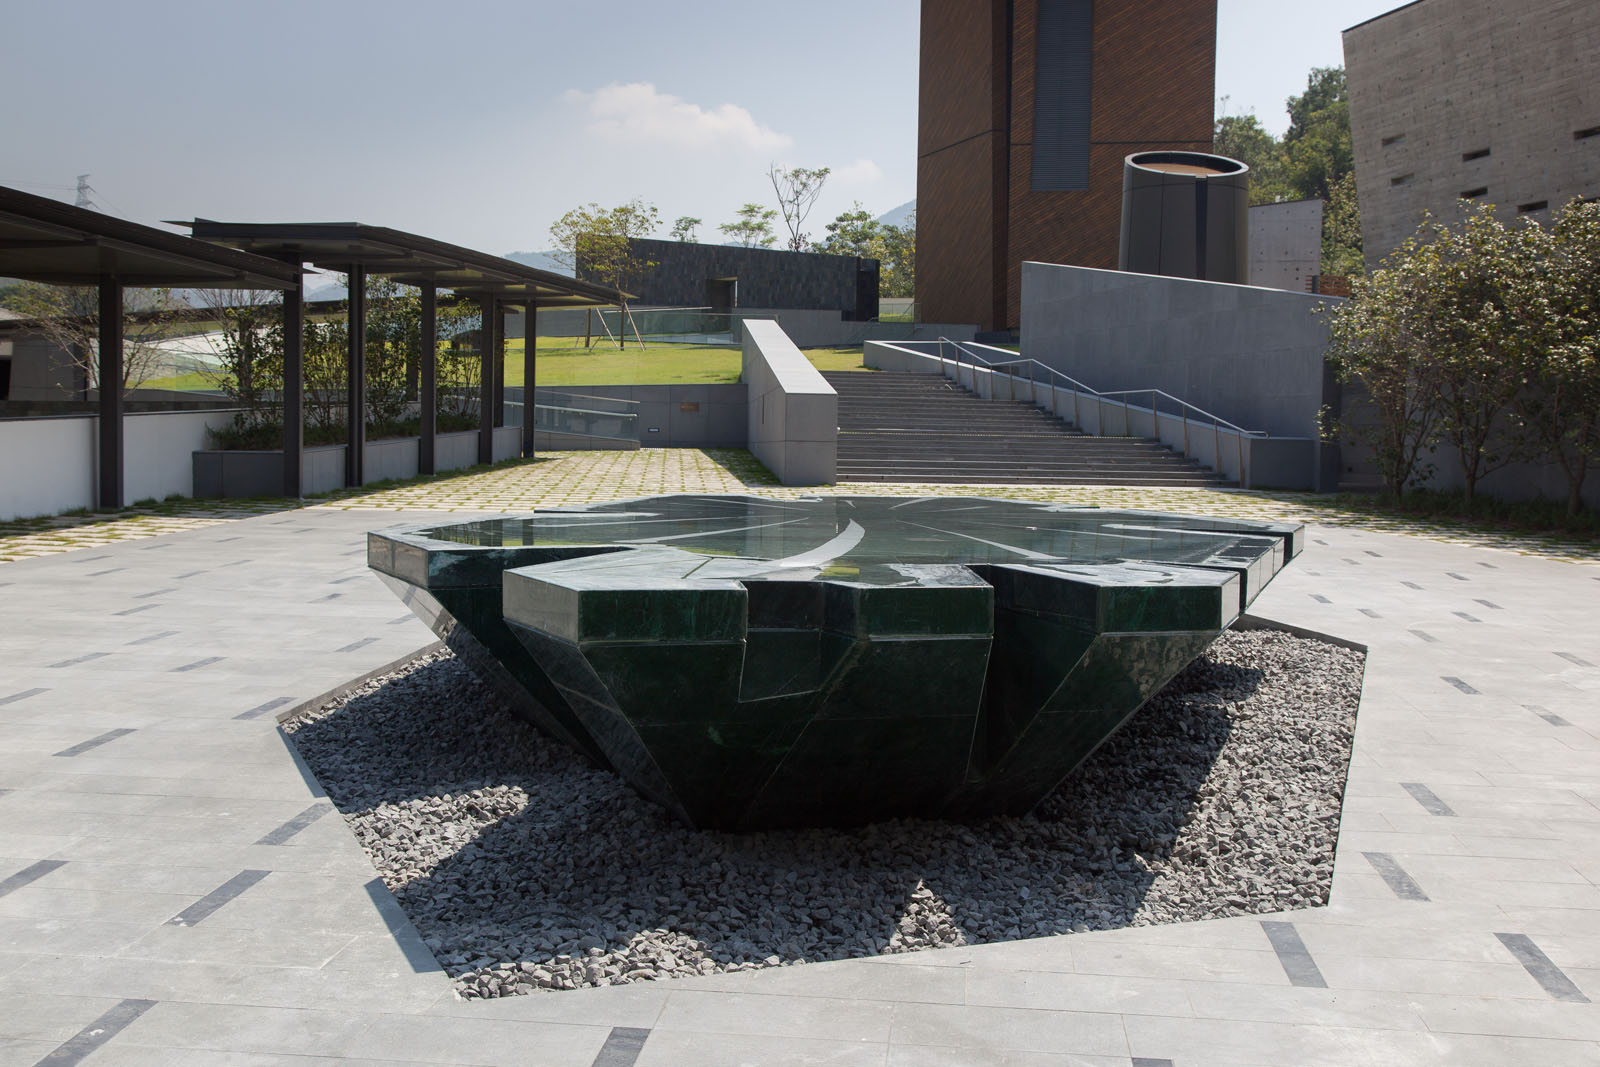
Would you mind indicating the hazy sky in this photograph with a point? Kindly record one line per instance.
(482, 121)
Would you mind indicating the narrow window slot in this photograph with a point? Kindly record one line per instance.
(1477, 153)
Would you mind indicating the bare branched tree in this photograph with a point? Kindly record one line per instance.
(69, 315)
(797, 190)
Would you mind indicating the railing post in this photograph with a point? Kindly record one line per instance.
(1127, 424)
(1216, 443)
(1185, 435)
(1239, 437)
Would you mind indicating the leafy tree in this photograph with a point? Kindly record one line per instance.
(1341, 230)
(898, 265)
(683, 229)
(754, 227)
(1560, 418)
(1317, 146)
(854, 233)
(250, 374)
(797, 190)
(596, 243)
(857, 233)
(69, 316)
(1242, 137)
(1375, 342)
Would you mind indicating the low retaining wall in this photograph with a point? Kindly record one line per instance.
(793, 413)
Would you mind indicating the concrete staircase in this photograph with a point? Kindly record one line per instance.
(922, 428)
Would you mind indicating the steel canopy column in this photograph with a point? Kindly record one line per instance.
(356, 386)
(110, 391)
(529, 358)
(486, 380)
(428, 394)
(294, 386)
(499, 364)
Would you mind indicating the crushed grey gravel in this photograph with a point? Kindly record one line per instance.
(526, 870)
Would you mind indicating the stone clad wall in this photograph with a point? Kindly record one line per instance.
(793, 412)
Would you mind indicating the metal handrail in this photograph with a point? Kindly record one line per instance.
(1080, 387)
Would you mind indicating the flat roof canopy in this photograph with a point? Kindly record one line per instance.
(407, 258)
(44, 240)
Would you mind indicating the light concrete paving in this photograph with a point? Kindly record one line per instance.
(174, 890)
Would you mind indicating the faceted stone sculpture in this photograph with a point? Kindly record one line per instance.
(833, 660)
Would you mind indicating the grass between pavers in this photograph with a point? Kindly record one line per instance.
(556, 478)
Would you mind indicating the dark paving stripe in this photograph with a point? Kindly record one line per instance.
(74, 661)
(341, 581)
(24, 695)
(190, 574)
(197, 663)
(1395, 877)
(225, 540)
(1369, 552)
(155, 592)
(353, 645)
(3, 792)
(1491, 566)
(1547, 715)
(1319, 540)
(262, 709)
(1464, 615)
(208, 904)
(1432, 640)
(401, 619)
(97, 1033)
(1320, 599)
(622, 1047)
(91, 559)
(153, 637)
(1411, 585)
(1425, 796)
(152, 548)
(234, 563)
(1369, 613)
(1577, 660)
(95, 742)
(296, 824)
(1353, 562)
(1297, 962)
(1459, 684)
(1146, 1061)
(1546, 973)
(135, 611)
(110, 570)
(29, 875)
(1491, 605)
(330, 596)
(1458, 577)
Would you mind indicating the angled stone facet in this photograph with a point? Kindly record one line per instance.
(832, 660)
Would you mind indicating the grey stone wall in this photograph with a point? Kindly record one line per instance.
(1441, 80)
(767, 277)
(1249, 355)
(1285, 244)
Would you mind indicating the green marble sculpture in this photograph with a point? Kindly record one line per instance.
(755, 663)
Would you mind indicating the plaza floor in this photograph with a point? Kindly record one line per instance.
(174, 889)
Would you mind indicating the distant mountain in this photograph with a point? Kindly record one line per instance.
(539, 261)
(899, 216)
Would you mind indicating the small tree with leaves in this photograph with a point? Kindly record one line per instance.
(250, 372)
(683, 229)
(797, 190)
(753, 228)
(1375, 341)
(69, 316)
(597, 243)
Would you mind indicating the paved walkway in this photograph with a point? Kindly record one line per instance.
(173, 890)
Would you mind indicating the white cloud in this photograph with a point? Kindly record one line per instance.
(861, 172)
(638, 112)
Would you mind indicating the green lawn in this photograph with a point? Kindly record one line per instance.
(565, 362)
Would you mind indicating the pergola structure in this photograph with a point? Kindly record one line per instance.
(44, 240)
(358, 250)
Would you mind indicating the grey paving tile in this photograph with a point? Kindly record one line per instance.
(1297, 962)
(1427, 798)
(102, 1030)
(74, 661)
(1457, 683)
(668, 1049)
(197, 664)
(247, 1028)
(28, 875)
(773, 1016)
(1011, 1029)
(1575, 660)
(208, 905)
(285, 833)
(261, 709)
(1550, 977)
(1062, 991)
(1404, 886)
(153, 637)
(622, 1047)
(95, 742)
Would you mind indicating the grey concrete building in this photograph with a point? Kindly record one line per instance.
(1481, 99)
(1286, 244)
(725, 277)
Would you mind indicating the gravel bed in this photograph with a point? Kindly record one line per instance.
(525, 870)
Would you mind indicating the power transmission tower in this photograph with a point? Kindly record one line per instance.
(84, 189)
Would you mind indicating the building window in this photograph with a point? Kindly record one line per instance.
(1404, 179)
(1537, 205)
(1062, 77)
(1398, 138)
(1587, 132)
(1478, 153)
(1473, 194)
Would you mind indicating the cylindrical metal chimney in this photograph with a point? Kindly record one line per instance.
(1186, 215)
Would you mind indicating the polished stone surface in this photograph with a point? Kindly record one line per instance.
(831, 660)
